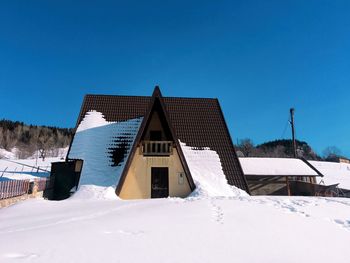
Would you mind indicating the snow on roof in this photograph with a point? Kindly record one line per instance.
(92, 119)
(275, 166)
(334, 173)
(191, 118)
(96, 141)
(206, 170)
(95, 137)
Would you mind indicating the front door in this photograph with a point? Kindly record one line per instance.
(159, 182)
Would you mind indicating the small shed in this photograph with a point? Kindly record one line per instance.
(272, 176)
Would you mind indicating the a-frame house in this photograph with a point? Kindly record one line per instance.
(137, 144)
(156, 159)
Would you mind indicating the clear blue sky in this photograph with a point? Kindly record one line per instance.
(258, 57)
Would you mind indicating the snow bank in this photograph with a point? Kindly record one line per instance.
(56, 152)
(207, 173)
(4, 154)
(94, 142)
(275, 166)
(94, 192)
(334, 173)
(215, 229)
(15, 153)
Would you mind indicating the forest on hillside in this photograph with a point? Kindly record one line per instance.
(284, 148)
(28, 139)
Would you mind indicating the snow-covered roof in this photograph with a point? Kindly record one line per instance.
(206, 169)
(334, 173)
(95, 138)
(198, 122)
(95, 141)
(275, 167)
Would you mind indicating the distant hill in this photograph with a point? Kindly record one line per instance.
(28, 139)
(277, 148)
(284, 148)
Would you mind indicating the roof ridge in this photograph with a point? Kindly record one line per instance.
(109, 95)
(196, 98)
(138, 96)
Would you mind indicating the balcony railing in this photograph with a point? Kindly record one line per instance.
(157, 148)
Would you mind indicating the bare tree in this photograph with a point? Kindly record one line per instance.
(331, 152)
(246, 146)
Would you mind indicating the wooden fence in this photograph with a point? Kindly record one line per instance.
(12, 188)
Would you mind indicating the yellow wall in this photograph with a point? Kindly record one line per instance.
(137, 184)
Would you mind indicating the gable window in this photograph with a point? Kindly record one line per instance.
(155, 135)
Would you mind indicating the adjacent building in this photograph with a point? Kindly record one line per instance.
(279, 176)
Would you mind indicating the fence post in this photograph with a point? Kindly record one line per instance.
(17, 188)
(35, 187)
(9, 188)
(20, 187)
(27, 186)
(6, 188)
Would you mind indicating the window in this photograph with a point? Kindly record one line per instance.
(155, 135)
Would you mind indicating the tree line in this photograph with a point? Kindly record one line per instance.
(28, 139)
(283, 149)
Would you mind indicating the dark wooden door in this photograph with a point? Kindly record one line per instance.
(159, 182)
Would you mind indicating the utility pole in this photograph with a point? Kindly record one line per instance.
(293, 132)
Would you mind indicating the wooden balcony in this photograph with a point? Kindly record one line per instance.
(157, 148)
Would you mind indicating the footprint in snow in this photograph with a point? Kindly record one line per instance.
(20, 255)
(343, 223)
(217, 213)
(288, 206)
(334, 200)
(124, 232)
(132, 233)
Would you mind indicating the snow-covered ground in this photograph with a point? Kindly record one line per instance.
(14, 153)
(4, 154)
(20, 169)
(94, 226)
(217, 224)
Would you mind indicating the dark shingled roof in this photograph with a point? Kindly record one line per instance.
(198, 122)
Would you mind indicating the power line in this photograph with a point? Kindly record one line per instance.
(285, 127)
